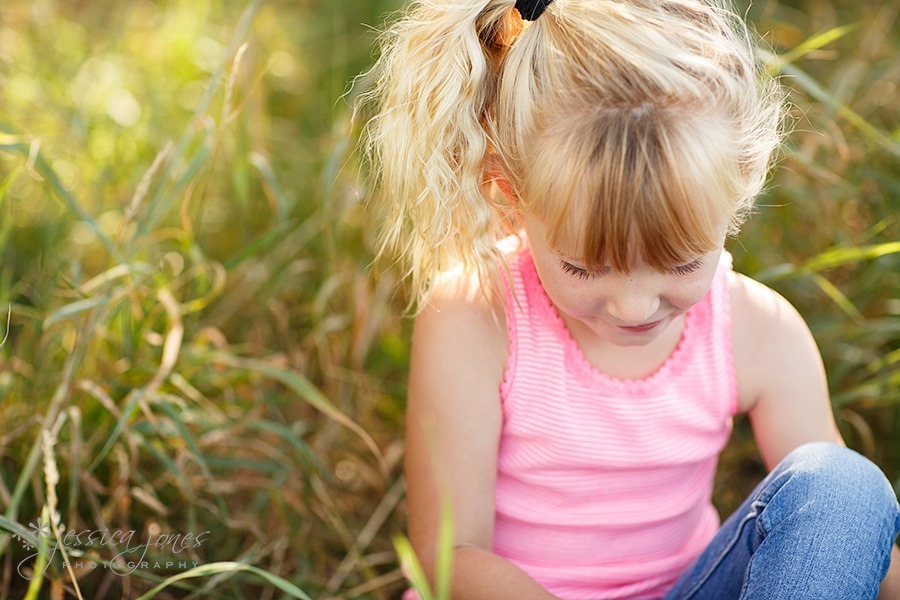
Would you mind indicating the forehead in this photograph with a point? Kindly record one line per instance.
(647, 188)
(569, 244)
(568, 241)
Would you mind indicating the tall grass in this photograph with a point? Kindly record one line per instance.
(199, 343)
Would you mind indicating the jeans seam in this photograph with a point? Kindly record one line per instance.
(756, 510)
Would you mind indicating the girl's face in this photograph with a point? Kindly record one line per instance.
(622, 309)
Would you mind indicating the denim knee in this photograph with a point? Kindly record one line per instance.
(840, 499)
(831, 478)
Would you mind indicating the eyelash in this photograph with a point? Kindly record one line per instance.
(688, 268)
(579, 272)
(585, 274)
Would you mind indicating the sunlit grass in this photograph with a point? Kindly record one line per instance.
(196, 323)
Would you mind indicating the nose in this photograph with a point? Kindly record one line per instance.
(633, 306)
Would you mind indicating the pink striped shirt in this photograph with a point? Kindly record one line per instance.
(604, 485)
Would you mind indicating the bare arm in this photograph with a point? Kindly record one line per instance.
(782, 381)
(453, 427)
(784, 389)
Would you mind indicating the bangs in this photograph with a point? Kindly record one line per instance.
(638, 183)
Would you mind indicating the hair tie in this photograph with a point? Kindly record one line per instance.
(532, 9)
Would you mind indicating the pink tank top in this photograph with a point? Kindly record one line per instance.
(604, 485)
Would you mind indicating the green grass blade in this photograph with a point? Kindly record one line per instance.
(169, 465)
(873, 394)
(305, 389)
(815, 89)
(444, 566)
(6, 221)
(263, 242)
(170, 352)
(291, 438)
(129, 410)
(173, 413)
(4, 187)
(40, 565)
(120, 271)
(229, 567)
(75, 451)
(882, 362)
(267, 173)
(829, 259)
(813, 43)
(49, 174)
(17, 529)
(74, 309)
(838, 257)
(839, 298)
(60, 395)
(8, 320)
(166, 196)
(163, 198)
(413, 567)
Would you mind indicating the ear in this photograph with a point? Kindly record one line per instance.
(498, 176)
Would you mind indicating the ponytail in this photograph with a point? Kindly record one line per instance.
(434, 87)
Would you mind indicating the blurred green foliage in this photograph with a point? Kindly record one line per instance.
(195, 314)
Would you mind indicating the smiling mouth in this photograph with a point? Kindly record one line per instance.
(641, 328)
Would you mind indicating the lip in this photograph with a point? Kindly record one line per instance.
(641, 328)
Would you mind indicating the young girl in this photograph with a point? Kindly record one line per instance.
(572, 386)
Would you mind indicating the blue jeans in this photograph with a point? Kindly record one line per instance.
(820, 526)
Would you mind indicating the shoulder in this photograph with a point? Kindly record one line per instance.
(459, 345)
(461, 311)
(781, 379)
(466, 308)
(769, 336)
(754, 304)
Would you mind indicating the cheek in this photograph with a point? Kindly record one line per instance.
(574, 302)
(569, 294)
(684, 295)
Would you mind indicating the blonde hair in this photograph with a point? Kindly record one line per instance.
(636, 127)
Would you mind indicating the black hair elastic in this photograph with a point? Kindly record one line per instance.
(532, 9)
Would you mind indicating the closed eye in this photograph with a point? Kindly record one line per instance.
(688, 268)
(580, 272)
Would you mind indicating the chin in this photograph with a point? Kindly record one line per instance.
(632, 340)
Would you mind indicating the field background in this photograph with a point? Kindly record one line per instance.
(198, 340)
